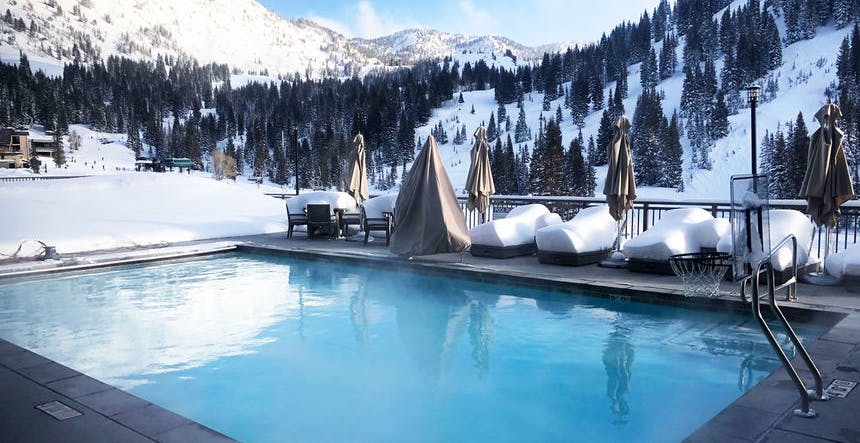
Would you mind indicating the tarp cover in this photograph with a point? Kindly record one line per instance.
(620, 187)
(427, 217)
(827, 183)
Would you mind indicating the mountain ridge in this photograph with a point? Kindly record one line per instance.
(243, 34)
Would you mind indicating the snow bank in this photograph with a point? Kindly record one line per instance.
(783, 222)
(679, 231)
(518, 228)
(127, 210)
(592, 230)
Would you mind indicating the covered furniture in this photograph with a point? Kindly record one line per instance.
(513, 235)
(321, 221)
(339, 202)
(781, 223)
(679, 231)
(586, 239)
(428, 219)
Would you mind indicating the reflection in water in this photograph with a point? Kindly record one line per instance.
(618, 362)
(127, 324)
(480, 335)
(358, 311)
(431, 324)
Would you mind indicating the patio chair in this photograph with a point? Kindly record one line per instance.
(584, 240)
(384, 223)
(347, 219)
(295, 219)
(321, 220)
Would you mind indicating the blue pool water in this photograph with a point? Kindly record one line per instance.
(282, 349)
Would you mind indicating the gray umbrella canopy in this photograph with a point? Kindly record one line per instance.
(427, 216)
(620, 187)
(827, 183)
(479, 182)
(358, 177)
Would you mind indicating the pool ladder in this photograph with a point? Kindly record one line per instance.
(765, 266)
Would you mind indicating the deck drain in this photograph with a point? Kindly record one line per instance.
(58, 410)
(840, 388)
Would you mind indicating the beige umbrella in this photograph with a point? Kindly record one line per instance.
(358, 177)
(827, 183)
(479, 182)
(427, 217)
(620, 187)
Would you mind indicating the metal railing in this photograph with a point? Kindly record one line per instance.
(647, 212)
(765, 266)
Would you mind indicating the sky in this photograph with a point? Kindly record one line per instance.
(547, 21)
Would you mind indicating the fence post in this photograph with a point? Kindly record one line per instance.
(644, 217)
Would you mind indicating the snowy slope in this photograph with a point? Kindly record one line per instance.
(241, 33)
(809, 67)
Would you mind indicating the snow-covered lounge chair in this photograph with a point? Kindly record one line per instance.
(679, 231)
(845, 266)
(586, 239)
(513, 235)
(783, 222)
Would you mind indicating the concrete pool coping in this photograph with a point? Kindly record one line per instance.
(764, 413)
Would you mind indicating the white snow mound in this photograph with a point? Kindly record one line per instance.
(679, 231)
(782, 222)
(592, 230)
(518, 228)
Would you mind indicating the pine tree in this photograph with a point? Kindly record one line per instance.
(521, 131)
(649, 75)
(491, 128)
(719, 124)
(133, 140)
(796, 155)
(575, 170)
(559, 117)
(59, 151)
(604, 137)
(673, 156)
(843, 12)
(502, 113)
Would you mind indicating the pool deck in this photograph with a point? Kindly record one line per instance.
(763, 414)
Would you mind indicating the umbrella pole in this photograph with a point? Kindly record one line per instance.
(819, 278)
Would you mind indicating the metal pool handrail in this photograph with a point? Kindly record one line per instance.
(767, 265)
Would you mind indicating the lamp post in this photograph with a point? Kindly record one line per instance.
(296, 150)
(753, 95)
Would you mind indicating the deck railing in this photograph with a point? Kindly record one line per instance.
(646, 212)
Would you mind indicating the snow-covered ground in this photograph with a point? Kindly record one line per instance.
(117, 207)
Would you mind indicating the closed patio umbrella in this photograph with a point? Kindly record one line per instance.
(427, 217)
(620, 187)
(479, 182)
(358, 177)
(827, 183)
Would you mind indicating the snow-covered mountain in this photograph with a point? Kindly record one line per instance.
(241, 33)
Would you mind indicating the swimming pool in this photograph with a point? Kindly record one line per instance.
(268, 348)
